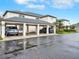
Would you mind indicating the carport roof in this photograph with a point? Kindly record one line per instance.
(26, 20)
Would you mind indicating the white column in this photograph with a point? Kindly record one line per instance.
(18, 26)
(3, 29)
(24, 29)
(38, 29)
(54, 28)
(24, 34)
(47, 29)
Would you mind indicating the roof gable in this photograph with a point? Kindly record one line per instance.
(23, 13)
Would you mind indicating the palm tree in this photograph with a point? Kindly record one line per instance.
(59, 24)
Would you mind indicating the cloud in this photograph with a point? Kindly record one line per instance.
(31, 4)
(63, 3)
(34, 6)
(21, 1)
(42, 4)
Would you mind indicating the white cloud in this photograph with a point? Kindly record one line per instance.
(41, 4)
(34, 6)
(25, 1)
(31, 4)
(21, 1)
(63, 3)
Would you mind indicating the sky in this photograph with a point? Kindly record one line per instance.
(62, 9)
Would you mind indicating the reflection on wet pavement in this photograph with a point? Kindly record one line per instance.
(53, 47)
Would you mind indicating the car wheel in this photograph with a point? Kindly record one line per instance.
(17, 34)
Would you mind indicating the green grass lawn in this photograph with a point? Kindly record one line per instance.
(65, 31)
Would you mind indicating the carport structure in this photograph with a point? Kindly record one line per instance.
(23, 24)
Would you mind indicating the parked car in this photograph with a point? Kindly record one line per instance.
(11, 31)
(44, 30)
(20, 31)
(51, 30)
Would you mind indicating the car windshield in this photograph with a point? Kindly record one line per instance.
(11, 27)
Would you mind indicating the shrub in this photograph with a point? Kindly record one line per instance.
(70, 30)
(65, 31)
(60, 31)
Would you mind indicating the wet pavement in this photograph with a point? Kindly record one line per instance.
(51, 47)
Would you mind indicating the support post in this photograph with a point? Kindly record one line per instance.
(18, 26)
(38, 30)
(54, 29)
(47, 29)
(24, 34)
(24, 29)
(3, 29)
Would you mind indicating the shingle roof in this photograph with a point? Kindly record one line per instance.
(24, 13)
(26, 20)
(47, 16)
(64, 20)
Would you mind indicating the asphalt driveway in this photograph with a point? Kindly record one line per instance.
(53, 47)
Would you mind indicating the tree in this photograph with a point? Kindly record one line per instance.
(59, 24)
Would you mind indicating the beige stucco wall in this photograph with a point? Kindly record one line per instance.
(48, 19)
(8, 15)
(33, 28)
